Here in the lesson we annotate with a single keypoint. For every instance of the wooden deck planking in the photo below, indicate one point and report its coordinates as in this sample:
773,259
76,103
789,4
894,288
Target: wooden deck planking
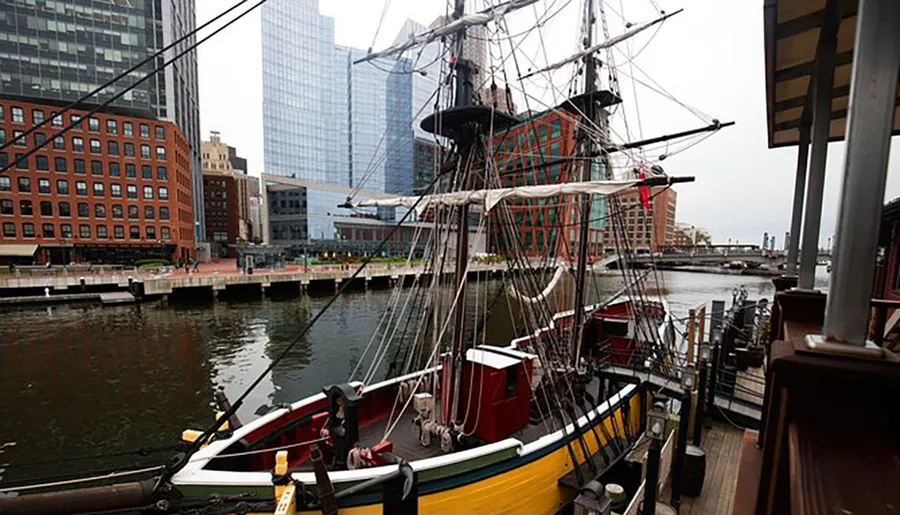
722,444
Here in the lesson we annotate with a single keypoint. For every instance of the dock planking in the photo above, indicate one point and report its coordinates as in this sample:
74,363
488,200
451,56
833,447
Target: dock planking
722,444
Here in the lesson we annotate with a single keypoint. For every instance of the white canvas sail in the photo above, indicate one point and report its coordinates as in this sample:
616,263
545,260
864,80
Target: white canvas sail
489,198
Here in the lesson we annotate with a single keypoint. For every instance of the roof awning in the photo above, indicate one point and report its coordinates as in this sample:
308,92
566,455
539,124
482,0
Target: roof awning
792,32
17,250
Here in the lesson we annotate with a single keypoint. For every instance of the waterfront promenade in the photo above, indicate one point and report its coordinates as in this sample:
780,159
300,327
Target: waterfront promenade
218,277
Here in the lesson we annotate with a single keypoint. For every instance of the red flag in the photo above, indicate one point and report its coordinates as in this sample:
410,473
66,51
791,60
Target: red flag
645,192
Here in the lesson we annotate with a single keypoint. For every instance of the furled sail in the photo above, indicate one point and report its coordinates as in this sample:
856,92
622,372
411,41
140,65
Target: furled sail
489,198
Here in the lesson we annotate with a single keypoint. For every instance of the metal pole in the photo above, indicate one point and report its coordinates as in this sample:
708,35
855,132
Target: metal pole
821,125
797,215
713,377
651,480
701,404
870,119
684,417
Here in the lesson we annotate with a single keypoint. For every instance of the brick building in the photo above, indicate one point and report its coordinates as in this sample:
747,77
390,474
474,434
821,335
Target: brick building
113,190
547,226
226,196
648,230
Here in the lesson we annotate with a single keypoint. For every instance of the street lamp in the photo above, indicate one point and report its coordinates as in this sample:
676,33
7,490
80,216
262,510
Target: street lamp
657,418
689,378
704,353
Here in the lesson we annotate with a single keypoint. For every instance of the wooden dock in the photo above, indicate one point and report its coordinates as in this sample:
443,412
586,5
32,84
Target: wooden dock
722,444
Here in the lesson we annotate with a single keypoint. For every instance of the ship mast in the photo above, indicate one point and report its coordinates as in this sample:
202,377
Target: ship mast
462,98
589,115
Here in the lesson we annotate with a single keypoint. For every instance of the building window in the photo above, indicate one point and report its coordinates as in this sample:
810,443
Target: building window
6,207
115,190
145,151
101,232
62,187
554,129
118,232
111,127
134,232
84,210
46,208
56,120
161,153
127,129
148,192
146,172
3,161
5,184
117,211
28,230
131,191
59,164
80,188
9,230
93,124
164,234
59,143
96,168
21,162
148,213
160,132
78,144
65,231
112,148
132,212
18,115
129,149
114,170
95,146
99,211
163,213
19,139
42,163
37,116
40,139
24,185
84,231
25,207
130,170
79,166
44,186
163,193
151,232
161,173
64,209
2,136
98,189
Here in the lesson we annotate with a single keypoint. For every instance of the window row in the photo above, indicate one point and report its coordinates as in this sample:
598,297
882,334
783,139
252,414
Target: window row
84,231
23,185
61,164
77,145
64,209
56,120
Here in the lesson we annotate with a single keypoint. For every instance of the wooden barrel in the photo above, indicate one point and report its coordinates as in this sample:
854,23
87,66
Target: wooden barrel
694,471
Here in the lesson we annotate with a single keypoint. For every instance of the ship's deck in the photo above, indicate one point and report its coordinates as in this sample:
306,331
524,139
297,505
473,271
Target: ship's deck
722,444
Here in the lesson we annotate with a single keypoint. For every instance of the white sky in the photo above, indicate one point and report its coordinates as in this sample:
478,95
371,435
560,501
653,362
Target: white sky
709,57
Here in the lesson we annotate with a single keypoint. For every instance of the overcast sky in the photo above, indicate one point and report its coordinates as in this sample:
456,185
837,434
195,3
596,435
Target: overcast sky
710,58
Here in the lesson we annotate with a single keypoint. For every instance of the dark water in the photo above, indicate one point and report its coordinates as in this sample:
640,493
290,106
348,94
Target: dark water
84,381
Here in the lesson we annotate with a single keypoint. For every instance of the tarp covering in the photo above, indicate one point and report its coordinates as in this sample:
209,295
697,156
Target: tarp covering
18,250
490,198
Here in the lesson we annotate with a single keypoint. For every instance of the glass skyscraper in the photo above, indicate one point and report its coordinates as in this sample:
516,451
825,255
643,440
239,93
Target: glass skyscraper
58,51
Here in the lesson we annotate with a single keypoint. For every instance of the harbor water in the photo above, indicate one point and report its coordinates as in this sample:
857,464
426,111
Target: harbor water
82,387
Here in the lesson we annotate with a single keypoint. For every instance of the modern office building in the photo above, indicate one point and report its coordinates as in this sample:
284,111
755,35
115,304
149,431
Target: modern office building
226,197
549,226
115,189
648,228
55,52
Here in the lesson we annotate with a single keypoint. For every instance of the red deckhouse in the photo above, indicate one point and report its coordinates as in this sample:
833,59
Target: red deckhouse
113,189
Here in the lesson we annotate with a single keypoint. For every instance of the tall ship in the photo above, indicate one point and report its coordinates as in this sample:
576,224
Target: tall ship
579,412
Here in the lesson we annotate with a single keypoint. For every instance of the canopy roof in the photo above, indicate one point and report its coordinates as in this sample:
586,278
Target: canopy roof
17,250
792,32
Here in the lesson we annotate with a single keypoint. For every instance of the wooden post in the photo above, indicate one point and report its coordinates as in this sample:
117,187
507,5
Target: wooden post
701,338
690,336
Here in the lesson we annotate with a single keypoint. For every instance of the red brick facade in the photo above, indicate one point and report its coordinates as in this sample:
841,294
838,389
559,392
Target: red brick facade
115,189
544,226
